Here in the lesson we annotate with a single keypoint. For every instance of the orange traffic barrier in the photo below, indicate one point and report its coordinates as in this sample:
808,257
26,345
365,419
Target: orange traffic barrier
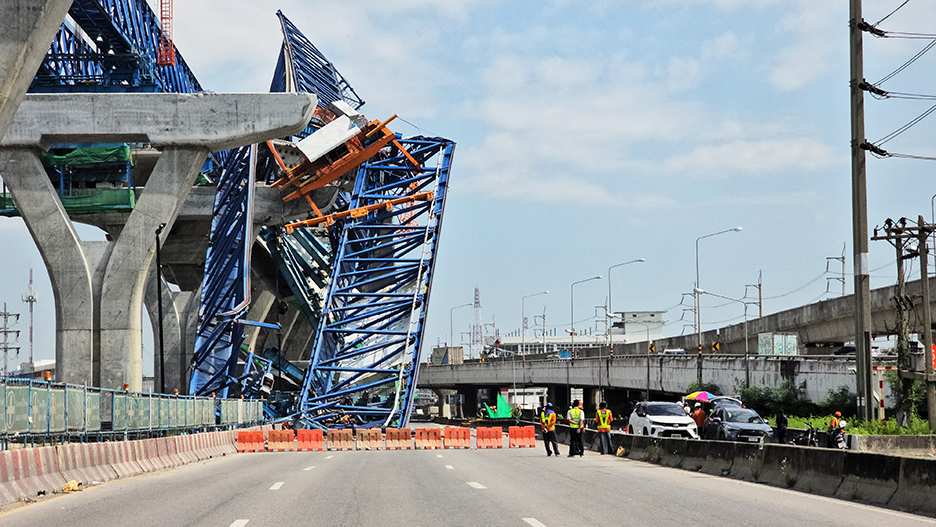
310,440
369,439
429,438
250,441
490,437
522,437
281,440
399,439
340,439
242,439
457,437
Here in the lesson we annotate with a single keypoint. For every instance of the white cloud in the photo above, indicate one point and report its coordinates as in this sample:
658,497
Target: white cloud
809,55
724,46
683,74
754,158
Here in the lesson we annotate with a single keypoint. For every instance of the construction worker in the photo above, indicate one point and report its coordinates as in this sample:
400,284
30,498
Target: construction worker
576,418
548,422
603,419
833,427
699,417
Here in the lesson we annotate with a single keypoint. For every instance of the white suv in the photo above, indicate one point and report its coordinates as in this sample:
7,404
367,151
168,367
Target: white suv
660,419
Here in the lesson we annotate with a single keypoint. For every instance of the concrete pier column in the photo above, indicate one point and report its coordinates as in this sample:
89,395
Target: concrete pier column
180,314
63,252
121,332
26,33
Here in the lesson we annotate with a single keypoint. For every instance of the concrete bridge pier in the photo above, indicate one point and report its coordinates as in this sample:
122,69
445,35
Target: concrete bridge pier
69,261
180,319
99,288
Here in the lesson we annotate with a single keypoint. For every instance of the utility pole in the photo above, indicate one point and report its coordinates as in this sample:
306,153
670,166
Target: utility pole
7,348
923,233
896,233
30,298
860,218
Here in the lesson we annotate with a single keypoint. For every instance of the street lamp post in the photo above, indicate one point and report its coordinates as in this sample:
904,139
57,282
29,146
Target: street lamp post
698,306
159,308
747,372
451,332
610,310
523,320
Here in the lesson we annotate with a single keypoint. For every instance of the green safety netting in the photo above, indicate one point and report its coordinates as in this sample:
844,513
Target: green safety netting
103,200
501,410
88,155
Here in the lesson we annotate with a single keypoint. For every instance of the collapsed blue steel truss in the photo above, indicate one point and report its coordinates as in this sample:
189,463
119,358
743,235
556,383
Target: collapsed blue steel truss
225,293
114,51
378,295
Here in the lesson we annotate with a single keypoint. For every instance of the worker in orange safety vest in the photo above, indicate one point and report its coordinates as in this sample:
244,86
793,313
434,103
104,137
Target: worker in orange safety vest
603,420
548,422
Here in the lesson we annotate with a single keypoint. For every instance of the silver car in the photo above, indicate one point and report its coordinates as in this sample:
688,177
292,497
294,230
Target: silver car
661,419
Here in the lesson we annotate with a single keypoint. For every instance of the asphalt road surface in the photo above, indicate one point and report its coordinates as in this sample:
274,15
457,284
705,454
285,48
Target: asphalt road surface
487,488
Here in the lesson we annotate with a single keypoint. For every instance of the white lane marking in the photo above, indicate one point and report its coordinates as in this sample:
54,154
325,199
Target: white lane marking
329,457
476,485
277,485
239,523
309,468
534,522
450,467
438,455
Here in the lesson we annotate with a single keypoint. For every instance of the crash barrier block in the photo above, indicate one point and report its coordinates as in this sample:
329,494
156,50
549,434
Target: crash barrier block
118,456
369,439
866,477
281,441
185,449
28,472
141,452
399,439
310,440
457,437
719,457
340,439
747,462
428,438
812,470
521,437
916,486
694,454
250,441
490,437
672,451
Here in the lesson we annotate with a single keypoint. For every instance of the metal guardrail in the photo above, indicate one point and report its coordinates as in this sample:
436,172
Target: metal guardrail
46,411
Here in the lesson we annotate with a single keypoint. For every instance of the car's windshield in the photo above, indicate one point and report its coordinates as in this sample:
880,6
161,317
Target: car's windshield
666,409
741,415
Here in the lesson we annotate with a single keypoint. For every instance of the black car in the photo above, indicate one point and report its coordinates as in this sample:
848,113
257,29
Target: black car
731,423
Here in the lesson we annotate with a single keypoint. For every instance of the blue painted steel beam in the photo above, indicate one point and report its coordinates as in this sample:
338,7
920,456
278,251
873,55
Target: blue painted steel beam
375,308
225,294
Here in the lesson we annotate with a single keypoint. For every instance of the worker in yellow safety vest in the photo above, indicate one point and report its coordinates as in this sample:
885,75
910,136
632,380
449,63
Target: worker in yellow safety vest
576,418
603,420
548,422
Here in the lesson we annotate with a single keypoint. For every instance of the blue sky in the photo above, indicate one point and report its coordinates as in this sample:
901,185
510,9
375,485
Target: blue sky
591,134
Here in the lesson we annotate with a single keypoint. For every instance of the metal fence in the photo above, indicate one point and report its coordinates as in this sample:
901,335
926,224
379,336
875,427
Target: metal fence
45,410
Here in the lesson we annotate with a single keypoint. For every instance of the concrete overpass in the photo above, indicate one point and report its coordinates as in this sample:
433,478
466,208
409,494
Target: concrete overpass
666,375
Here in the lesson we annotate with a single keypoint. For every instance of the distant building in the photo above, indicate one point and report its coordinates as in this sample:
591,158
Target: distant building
447,355
628,327
35,370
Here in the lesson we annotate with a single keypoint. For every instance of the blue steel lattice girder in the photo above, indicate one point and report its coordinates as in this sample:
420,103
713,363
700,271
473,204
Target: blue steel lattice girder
225,294
118,54
376,304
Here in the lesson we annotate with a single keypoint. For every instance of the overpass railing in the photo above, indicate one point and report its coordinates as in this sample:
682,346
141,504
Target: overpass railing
40,411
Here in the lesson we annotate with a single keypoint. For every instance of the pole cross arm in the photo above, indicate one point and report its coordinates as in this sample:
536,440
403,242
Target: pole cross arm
216,121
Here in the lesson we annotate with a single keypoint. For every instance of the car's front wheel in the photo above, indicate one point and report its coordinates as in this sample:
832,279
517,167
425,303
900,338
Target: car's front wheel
722,436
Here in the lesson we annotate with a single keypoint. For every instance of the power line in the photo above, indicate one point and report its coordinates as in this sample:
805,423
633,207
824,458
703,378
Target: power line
892,12
908,63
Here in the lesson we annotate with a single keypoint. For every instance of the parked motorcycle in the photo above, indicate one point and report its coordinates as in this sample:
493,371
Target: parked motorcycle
807,439
838,436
